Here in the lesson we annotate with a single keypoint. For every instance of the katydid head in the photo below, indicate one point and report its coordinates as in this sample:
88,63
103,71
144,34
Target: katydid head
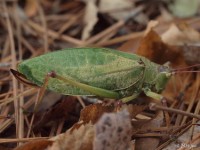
164,73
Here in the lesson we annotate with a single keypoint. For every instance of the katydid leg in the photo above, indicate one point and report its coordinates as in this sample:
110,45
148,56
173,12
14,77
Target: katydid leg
91,89
162,99
127,99
41,92
38,101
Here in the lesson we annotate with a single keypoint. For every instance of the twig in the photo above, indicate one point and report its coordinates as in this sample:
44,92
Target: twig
192,100
197,109
54,34
44,24
14,62
104,33
176,133
6,124
154,106
122,38
81,101
21,140
9,100
69,23
21,99
60,126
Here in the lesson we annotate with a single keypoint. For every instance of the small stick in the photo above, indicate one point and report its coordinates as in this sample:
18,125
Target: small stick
154,106
6,140
6,117
54,34
44,24
14,62
166,114
121,38
105,32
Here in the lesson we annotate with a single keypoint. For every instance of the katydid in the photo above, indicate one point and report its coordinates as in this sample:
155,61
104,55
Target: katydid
97,72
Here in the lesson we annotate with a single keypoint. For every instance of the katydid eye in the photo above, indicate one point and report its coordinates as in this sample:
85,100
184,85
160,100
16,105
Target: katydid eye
163,69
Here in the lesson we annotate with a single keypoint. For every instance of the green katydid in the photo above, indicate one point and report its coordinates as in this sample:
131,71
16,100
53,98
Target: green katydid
97,71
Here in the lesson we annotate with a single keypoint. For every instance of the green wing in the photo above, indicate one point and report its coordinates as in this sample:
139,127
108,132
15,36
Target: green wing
99,67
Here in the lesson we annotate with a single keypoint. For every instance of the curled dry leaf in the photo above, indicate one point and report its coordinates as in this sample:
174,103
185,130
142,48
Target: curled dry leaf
132,44
151,25
180,34
78,139
165,16
113,131
152,47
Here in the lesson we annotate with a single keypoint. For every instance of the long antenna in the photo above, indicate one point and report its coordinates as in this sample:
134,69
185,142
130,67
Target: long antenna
182,68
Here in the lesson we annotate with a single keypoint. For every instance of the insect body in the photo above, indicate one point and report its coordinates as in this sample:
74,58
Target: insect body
96,71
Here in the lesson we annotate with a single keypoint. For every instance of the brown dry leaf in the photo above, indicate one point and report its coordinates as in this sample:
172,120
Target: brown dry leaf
165,16
5,148
153,48
92,113
49,100
181,87
113,131
78,139
59,111
31,8
191,54
132,44
149,143
151,25
133,110
174,85
90,18
35,145
181,34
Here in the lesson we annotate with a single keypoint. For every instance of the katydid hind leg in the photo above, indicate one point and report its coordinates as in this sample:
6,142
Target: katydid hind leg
41,92
38,101
91,89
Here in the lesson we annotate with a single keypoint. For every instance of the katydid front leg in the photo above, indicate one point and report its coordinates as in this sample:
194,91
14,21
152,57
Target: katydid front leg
162,99
127,99
93,90
154,95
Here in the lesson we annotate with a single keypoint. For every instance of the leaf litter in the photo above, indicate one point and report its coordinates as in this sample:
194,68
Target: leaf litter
64,123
